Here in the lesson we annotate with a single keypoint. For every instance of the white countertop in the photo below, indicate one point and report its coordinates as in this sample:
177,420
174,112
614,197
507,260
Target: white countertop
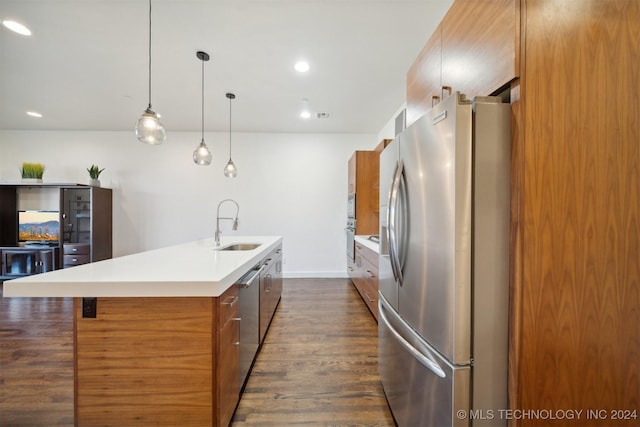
192,269
364,240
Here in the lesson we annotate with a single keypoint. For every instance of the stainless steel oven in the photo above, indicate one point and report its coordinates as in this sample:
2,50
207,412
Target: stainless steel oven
351,234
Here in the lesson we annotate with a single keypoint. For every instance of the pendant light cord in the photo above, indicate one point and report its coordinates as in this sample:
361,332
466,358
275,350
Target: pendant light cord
203,99
229,128
149,54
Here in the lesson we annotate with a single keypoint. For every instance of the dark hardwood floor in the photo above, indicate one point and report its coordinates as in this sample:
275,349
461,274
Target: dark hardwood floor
318,365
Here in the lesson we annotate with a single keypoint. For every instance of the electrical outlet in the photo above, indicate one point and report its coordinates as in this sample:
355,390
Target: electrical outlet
89,308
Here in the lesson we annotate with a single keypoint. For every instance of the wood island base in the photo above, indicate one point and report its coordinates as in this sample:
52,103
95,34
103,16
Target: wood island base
157,361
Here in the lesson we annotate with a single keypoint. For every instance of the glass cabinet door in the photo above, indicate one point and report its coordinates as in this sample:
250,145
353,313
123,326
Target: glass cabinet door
19,263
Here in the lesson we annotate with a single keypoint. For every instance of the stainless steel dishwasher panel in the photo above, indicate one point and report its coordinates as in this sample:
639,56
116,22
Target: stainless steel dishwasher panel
249,296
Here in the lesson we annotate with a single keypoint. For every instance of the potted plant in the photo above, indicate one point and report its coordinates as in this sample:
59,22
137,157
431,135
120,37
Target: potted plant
94,174
32,172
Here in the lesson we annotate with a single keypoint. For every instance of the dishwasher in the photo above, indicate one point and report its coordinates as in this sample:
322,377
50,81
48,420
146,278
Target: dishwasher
249,308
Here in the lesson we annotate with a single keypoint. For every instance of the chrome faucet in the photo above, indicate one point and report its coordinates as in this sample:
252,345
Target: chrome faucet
218,218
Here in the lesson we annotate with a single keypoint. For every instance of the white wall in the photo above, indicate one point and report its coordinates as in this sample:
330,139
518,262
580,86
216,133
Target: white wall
292,185
389,129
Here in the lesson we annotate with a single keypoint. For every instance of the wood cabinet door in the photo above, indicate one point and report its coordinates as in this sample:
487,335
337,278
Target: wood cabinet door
576,300
424,78
480,46
368,195
228,370
145,362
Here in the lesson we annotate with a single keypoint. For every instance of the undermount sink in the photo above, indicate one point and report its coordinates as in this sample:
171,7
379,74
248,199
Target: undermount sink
240,247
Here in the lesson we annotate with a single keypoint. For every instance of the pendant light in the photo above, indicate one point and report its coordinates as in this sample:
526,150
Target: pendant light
202,156
230,170
148,127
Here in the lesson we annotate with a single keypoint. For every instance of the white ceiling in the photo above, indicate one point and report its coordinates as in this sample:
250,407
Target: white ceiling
86,65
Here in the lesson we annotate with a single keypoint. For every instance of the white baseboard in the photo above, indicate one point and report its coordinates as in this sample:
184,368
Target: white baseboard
315,275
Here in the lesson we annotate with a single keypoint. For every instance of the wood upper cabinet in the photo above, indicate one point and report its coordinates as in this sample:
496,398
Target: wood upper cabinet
480,45
364,182
424,79
474,50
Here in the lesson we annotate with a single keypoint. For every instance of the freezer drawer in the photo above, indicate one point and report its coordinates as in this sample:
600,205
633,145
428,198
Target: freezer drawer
422,388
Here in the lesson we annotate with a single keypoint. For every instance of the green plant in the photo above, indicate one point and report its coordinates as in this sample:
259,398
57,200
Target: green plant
32,170
94,171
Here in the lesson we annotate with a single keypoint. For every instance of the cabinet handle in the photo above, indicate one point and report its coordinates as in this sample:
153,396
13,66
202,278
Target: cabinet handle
371,275
446,88
369,297
233,302
433,99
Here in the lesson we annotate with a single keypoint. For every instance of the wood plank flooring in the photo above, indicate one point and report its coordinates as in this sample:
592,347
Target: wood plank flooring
317,367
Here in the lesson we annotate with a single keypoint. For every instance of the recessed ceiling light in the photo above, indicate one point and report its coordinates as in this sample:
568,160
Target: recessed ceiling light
34,114
17,27
301,66
305,114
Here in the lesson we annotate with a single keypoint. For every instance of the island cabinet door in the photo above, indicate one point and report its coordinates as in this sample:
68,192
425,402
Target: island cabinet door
145,362
228,356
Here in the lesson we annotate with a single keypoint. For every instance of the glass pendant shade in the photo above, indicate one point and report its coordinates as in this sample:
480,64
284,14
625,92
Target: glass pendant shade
202,155
149,129
230,170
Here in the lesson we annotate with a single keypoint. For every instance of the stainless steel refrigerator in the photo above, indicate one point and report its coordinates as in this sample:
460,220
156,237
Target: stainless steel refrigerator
444,266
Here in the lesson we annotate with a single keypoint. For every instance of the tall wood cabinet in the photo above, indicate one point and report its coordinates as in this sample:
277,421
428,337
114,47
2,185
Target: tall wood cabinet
575,187
364,184
575,322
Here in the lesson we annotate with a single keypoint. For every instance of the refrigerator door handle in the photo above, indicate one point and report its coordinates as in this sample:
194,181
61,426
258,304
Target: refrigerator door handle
391,221
427,362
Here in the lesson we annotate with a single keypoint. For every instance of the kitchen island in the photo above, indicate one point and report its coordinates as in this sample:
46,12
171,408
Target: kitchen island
156,334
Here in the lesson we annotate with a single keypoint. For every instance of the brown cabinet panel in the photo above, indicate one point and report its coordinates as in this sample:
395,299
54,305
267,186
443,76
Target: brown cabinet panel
228,305
576,208
364,275
365,166
424,78
159,361
228,370
480,45
145,361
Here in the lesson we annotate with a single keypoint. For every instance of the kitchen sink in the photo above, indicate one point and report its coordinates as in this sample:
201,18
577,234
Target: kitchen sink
240,247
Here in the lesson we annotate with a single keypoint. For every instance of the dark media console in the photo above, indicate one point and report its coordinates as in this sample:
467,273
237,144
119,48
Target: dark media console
45,227
27,260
